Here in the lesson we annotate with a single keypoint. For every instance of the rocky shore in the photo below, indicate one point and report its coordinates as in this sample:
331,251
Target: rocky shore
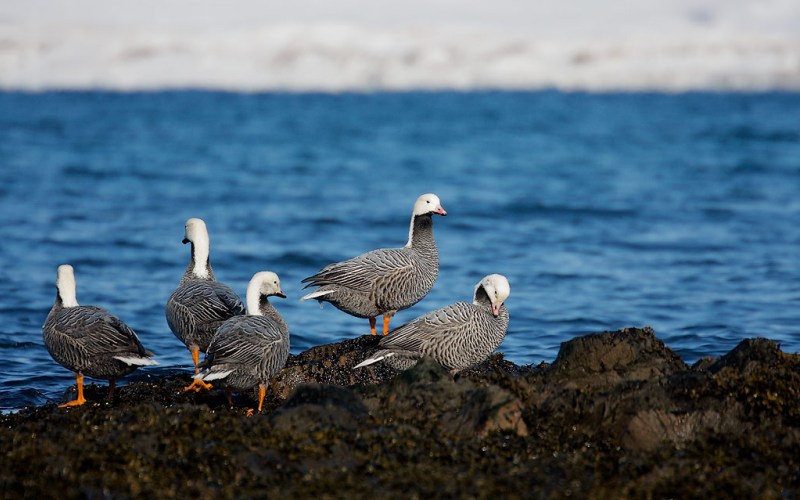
616,414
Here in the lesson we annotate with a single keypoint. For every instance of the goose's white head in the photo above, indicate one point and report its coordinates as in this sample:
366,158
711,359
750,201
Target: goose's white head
65,283
196,231
428,204
497,290
425,205
262,284
197,234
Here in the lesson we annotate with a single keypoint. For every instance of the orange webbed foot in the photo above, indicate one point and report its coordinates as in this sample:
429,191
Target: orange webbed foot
74,402
197,385
80,399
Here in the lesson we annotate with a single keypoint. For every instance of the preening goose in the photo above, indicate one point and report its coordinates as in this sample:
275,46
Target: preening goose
457,336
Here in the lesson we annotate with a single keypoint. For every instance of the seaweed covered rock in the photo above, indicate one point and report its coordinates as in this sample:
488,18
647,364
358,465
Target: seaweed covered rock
313,407
427,395
605,359
628,386
617,414
330,364
761,378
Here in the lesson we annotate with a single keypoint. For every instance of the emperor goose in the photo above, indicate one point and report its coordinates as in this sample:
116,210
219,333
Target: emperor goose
457,336
384,281
89,340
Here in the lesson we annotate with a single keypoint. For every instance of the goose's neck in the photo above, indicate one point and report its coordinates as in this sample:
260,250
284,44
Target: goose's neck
254,299
259,305
265,308
420,233
482,298
200,263
66,297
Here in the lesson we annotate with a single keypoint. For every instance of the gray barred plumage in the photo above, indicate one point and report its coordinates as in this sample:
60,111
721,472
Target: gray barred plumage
200,304
198,307
457,336
247,350
89,340
384,281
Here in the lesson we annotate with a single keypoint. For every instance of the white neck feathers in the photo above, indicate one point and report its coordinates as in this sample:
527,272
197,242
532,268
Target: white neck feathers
254,298
66,286
200,247
410,232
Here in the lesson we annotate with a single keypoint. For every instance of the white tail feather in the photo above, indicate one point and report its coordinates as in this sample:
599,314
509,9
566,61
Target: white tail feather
136,361
374,359
318,293
209,376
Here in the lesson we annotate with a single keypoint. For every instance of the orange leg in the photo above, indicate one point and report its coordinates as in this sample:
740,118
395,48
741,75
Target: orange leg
80,399
112,384
196,359
386,320
262,391
372,325
196,384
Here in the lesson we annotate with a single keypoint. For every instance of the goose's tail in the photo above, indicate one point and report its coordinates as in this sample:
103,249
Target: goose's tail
378,356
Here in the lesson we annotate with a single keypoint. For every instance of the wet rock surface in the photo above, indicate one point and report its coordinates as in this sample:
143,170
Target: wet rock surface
616,414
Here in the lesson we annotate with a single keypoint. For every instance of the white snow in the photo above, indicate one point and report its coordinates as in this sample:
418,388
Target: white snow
366,45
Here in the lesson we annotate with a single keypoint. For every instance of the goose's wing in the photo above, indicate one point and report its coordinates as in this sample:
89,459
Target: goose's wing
228,298
244,340
223,301
450,322
363,272
96,332
205,301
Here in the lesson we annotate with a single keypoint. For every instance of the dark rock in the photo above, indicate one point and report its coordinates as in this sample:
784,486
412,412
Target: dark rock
618,414
749,354
704,364
605,359
331,364
760,377
427,395
313,407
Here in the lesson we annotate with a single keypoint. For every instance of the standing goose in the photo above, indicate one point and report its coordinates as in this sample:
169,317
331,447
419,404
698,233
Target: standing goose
200,304
382,282
89,340
457,336
247,350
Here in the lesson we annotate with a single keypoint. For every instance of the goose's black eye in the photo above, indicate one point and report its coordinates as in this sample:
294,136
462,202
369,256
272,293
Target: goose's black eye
428,202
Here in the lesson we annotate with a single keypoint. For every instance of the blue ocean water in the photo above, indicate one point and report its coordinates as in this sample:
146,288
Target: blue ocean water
604,210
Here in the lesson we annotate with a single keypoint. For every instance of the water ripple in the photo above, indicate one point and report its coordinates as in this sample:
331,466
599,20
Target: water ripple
601,215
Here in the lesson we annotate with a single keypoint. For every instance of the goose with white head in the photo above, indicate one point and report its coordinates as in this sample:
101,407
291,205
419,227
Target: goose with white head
457,336
200,304
384,281
88,340
247,350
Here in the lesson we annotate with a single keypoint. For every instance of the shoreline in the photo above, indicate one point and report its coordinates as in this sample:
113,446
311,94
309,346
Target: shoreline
616,413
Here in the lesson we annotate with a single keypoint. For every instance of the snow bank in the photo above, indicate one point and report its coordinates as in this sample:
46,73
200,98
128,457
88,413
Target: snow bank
700,46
